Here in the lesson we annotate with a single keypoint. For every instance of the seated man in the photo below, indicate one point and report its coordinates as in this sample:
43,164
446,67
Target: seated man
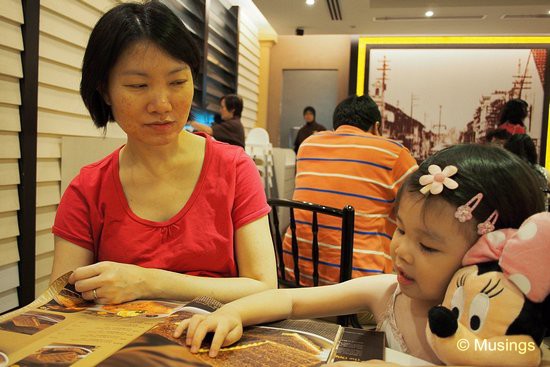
351,165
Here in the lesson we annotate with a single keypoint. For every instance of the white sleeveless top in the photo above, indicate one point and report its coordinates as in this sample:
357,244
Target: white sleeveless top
394,337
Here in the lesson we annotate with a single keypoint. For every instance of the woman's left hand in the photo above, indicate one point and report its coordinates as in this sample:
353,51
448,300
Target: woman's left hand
109,282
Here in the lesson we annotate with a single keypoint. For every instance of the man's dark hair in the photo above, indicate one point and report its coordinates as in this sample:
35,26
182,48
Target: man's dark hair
117,30
500,134
523,146
358,111
233,103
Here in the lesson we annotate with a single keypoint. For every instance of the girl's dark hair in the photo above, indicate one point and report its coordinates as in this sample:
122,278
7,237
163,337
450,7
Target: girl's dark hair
523,146
233,103
117,30
508,184
514,112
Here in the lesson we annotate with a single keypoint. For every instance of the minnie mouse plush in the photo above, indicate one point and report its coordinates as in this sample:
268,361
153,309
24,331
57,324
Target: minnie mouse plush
497,309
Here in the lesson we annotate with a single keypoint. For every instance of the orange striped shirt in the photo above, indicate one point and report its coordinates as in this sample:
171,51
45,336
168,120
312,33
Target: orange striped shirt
337,168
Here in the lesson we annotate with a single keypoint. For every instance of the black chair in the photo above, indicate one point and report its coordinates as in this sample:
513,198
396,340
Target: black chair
346,256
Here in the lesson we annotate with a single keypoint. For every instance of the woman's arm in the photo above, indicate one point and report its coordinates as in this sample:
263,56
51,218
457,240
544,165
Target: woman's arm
67,257
366,293
116,283
201,127
255,261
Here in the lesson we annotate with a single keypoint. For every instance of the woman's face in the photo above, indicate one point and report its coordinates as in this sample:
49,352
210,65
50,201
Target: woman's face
150,94
224,112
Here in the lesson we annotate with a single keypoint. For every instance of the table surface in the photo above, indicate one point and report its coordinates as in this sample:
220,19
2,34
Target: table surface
408,360
404,359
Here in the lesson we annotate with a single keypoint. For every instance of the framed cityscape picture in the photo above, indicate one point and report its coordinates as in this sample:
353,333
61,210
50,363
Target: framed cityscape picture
435,95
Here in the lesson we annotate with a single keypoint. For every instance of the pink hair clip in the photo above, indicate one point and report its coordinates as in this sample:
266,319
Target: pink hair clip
464,212
437,178
488,225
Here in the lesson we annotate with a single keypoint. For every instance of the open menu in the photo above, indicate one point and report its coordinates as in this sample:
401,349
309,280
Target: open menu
61,329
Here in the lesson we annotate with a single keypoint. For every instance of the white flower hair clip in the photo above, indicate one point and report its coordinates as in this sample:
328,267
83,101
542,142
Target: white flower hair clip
437,178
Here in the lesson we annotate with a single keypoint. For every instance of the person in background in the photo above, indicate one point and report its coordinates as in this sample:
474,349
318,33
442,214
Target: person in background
512,116
171,214
437,224
497,137
310,127
230,130
354,166
524,147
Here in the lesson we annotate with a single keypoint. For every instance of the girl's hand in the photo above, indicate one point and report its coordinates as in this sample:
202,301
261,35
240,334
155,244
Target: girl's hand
226,325
112,282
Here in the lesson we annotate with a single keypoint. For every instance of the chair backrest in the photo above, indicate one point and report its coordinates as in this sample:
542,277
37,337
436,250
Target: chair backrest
257,136
346,253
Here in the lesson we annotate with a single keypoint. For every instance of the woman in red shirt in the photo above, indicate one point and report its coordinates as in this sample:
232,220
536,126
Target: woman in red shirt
512,116
170,214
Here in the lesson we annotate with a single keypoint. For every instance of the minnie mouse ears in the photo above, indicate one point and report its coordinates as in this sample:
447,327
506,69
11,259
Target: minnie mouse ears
523,255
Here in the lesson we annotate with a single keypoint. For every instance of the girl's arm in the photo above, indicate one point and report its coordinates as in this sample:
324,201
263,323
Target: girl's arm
117,283
350,297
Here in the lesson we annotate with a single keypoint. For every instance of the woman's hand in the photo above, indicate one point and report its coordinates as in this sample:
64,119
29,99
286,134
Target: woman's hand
110,282
226,325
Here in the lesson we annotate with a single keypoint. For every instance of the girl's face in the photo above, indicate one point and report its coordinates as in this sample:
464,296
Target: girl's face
428,246
150,94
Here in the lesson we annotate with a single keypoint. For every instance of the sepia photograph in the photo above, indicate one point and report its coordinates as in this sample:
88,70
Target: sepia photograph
434,98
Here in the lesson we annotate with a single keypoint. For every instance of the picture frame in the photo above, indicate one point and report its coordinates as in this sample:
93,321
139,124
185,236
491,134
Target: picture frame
438,91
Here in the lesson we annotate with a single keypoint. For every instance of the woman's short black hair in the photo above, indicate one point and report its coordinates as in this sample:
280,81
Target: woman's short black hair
358,111
233,103
120,28
508,184
523,146
514,112
309,109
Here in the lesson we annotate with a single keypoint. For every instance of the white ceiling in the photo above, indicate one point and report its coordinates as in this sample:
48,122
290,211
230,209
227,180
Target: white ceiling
358,17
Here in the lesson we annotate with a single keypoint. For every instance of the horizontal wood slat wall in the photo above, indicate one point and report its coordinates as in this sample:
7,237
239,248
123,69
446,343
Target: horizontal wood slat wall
248,70
65,27
11,71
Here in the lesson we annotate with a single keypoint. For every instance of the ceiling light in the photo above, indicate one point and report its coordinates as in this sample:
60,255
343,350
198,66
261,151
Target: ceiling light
429,13
310,2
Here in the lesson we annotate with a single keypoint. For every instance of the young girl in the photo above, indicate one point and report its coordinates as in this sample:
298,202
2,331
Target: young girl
426,249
